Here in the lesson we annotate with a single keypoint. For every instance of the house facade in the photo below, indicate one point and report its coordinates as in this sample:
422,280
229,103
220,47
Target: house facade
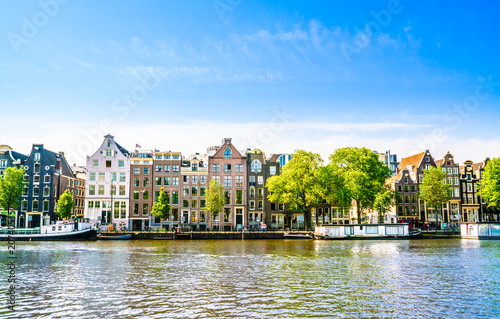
141,189
80,185
47,175
194,185
257,175
451,211
229,167
108,173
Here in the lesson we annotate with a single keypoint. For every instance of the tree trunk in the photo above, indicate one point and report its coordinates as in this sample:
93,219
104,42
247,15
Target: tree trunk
358,212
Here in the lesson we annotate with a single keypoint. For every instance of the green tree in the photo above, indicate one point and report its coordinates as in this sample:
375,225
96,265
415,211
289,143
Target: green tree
161,208
215,199
490,184
434,190
384,201
334,189
300,184
361,174
11,188
65,205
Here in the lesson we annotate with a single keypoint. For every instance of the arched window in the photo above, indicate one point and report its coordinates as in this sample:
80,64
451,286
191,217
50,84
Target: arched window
227,153
256,166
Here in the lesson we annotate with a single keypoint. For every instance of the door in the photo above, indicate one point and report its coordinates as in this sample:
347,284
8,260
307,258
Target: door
239,220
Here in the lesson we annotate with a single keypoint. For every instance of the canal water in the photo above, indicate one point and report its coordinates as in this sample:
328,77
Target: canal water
255,279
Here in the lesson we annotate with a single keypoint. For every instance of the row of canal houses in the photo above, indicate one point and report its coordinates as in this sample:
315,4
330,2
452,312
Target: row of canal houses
118,187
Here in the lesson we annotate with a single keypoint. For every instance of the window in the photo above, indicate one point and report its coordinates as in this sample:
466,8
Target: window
146,170
3,163
157,156
37,168
239,197
194,166
259,206
413,188
450,180
456,192
158,168
260,192
122,190
427,166
272,170
95,163
455,180
25,191
136,182
455,170
36,179
123,177
252,192
217,178
194,203
146,182
46,179
113,176
158,181
406,188
24,205
227,181
167,168
175,157
273,207
449,170
371,229
108,163
203,203
166,157
185,179
203,191
227,215
175,168
121,163
91,189
145,195
46,191
194,179
216,168
260,180
185,191
166,181
136,209
203,179
175,181
185,203
227,168
26,178
252,181
227,152
100,191
256,166
36,191
113,190
175,197
145,209
227,197
137,170
102,176
427,159
239,181
136,195
252,205
194,191
34,206
238,168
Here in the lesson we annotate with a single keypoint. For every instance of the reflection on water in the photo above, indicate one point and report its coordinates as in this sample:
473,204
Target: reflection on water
256,279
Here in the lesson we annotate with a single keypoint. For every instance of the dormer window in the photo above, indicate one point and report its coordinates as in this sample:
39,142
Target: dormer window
108,144
37,156
427,159
227,153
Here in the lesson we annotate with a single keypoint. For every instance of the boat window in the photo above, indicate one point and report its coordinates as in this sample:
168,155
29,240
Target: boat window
349,230
59,228
53,228
372,229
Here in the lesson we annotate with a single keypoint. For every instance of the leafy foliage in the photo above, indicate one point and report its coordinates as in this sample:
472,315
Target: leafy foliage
490,184
11,188
215,198
434,190
384,201
161,208
360,175
300,184
65,205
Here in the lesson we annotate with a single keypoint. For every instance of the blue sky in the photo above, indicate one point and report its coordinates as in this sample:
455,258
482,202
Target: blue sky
316,75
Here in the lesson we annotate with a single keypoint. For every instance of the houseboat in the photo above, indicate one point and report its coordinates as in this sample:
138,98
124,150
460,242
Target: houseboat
58,231
365,231
484,230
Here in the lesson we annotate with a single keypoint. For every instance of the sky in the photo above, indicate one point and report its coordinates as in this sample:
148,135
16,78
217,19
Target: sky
403,76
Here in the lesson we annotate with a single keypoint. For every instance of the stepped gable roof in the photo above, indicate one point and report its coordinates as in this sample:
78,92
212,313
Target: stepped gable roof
413,161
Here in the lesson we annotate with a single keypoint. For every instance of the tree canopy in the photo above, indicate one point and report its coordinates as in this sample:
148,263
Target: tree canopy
300,183
215,198
384,201
65,205
434,190
490,184
360,174
11,188
161,208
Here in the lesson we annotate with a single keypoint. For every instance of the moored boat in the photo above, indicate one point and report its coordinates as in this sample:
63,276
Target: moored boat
114,237
366,231
481,230
59,231
296,236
